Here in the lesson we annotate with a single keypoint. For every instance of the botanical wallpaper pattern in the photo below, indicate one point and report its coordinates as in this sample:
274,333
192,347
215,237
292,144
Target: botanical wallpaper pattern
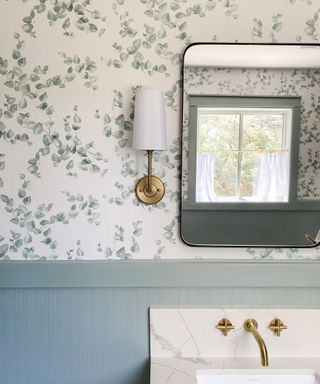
69,71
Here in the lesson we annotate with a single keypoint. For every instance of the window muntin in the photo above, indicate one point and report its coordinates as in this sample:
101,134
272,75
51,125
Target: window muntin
246,144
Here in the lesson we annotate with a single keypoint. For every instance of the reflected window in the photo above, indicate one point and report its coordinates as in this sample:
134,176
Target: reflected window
243,153
249,151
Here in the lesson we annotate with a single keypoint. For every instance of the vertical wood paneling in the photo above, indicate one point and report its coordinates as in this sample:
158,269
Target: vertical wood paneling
100,335
248,297
315,297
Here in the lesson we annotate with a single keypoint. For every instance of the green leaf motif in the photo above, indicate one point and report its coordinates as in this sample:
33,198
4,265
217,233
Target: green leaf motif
4,198
78,11
4,248
27,239
16,54
22,62
277,27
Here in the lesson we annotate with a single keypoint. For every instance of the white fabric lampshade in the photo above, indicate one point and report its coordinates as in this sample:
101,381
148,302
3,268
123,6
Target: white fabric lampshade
149,127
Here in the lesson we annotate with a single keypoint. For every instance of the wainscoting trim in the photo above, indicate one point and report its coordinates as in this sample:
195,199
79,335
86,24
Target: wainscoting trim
166,274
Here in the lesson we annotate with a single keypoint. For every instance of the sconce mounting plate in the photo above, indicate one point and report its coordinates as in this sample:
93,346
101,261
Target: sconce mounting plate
150,195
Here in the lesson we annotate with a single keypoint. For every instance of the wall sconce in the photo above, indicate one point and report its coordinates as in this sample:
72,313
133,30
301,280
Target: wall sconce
149,134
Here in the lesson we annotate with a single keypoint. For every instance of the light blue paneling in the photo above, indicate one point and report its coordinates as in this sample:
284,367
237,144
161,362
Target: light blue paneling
88,322
76,335
100,335
257,297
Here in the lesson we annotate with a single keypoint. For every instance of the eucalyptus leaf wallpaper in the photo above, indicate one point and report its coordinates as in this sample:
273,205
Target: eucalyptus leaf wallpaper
69,71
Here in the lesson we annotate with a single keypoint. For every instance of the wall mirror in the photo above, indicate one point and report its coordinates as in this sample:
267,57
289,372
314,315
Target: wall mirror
251,145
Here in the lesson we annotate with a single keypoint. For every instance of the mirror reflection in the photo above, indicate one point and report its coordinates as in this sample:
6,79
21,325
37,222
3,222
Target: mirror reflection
243,154
250,137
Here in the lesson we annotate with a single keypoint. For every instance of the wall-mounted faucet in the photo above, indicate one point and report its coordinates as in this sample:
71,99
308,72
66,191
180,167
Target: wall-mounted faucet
251,325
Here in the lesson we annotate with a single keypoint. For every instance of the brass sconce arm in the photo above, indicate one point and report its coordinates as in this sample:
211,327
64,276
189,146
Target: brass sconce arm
149,152
150,189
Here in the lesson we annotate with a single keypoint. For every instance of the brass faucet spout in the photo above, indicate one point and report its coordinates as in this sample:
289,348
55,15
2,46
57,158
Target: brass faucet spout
251,325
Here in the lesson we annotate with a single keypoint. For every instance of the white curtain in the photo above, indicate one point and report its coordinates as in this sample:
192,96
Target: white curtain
205,178
272,183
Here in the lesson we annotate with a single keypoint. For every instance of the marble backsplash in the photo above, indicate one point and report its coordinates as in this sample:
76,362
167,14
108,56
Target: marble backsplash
191,333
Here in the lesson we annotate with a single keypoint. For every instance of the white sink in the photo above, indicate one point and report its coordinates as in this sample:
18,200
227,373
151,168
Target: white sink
257,376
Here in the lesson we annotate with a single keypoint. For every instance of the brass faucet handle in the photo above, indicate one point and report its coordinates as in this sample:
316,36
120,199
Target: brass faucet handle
225,326
277,326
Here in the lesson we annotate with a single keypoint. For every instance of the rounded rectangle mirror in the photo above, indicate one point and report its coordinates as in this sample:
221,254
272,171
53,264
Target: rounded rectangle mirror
251,152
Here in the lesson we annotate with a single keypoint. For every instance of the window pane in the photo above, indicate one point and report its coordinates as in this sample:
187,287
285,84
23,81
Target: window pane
264,173
225,179
219,135
262,131
250,172
218,132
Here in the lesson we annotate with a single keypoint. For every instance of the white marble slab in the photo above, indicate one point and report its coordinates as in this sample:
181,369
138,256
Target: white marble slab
184,340
191,332
184,371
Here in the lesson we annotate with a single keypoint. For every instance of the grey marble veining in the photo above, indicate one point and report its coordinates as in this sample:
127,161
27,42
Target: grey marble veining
185,340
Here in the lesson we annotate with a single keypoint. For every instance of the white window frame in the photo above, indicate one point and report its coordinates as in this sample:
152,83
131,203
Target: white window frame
244,111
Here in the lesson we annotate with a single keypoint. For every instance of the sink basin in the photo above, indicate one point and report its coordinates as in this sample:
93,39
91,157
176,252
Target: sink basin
258,376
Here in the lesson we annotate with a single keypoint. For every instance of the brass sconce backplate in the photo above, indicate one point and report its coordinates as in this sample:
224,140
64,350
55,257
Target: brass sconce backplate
225,326
152,194
277,326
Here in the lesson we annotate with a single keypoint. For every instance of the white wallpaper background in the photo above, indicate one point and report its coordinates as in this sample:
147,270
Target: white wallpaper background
68,73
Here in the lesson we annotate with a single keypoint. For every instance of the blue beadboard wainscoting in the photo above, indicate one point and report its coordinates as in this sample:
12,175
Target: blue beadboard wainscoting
87,322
